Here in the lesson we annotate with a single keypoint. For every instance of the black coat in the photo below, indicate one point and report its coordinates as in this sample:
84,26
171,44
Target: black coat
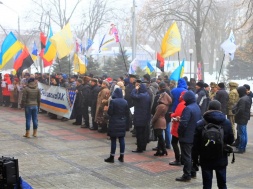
128,97
87,95
94,96
218,118
118,112
79,100
142,103
242,108
222,97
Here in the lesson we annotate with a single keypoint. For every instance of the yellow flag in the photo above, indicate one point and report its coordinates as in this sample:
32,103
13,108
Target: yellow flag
63,41
171,42
79,66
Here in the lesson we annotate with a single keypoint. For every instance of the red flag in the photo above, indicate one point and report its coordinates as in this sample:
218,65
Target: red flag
43,40
160,62
19,61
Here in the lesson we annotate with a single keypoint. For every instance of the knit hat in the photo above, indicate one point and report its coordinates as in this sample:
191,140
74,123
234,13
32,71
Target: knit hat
162,85
200,84
214,105
221,85
30,80
106,83
206,85
94,80
79,80
86,79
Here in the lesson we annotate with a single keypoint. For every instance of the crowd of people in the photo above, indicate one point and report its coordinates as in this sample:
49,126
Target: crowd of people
176,112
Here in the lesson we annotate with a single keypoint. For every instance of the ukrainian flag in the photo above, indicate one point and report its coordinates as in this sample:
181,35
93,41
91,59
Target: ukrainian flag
50,50
34,54
149,68
178,73
10,47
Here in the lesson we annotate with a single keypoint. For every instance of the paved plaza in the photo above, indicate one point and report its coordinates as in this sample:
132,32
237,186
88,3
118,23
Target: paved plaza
67,156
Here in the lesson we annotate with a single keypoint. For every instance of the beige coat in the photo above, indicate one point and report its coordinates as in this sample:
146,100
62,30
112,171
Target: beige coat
102,101
158,120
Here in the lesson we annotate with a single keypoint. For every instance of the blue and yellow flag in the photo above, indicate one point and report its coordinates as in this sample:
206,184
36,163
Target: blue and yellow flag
149,68
50,50
171,42
178,72
10,47
63,41
34,54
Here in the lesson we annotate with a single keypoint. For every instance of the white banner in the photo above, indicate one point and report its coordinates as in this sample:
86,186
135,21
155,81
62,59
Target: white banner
57,100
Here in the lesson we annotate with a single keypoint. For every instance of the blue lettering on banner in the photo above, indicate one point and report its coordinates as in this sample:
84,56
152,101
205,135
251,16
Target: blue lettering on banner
57,96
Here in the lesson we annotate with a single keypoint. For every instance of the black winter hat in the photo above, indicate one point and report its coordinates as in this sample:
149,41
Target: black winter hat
147,77
206,85
162,85
200,84
221,85
30,80
247,86
214,105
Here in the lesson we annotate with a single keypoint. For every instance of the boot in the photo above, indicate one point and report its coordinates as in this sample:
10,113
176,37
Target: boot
27,134
35,132
110,159
121,158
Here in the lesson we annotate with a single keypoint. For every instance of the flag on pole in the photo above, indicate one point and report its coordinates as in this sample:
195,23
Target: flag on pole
9,49
34,52
106,40
63,41
149,68
228,47
89,44
22,61
50,50
232,39
160,62
43,40
171,42
114,31
199,72
178,72
79,65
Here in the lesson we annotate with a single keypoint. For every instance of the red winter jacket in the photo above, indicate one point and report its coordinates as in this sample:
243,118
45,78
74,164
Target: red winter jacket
7,80
178,112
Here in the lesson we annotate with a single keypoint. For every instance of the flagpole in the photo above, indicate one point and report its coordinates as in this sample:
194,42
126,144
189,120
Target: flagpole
69,64
178,58
156,66
221,68
123,55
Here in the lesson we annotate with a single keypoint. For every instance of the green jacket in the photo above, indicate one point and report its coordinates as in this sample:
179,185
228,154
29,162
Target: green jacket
233,97
31,95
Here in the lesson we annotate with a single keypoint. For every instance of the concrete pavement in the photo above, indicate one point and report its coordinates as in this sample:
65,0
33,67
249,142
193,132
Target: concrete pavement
67,156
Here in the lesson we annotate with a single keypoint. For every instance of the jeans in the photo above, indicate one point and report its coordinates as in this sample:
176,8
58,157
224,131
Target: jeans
207,176
114,144
243,138
31,112
186,153
167,135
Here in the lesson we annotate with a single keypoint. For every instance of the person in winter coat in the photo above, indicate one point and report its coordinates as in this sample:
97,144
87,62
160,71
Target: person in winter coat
86,101
118,112
218,164
159,122
94,96
142,115
233,99
31,102
5,91
174,130
242,116
176,92
14,94
191,114
222,97
201,96
78,106
102,106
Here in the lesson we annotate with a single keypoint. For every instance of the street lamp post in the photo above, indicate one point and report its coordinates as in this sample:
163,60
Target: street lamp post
217,60
1,3
190,52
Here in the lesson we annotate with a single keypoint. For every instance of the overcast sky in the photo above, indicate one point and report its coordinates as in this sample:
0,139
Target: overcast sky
9,13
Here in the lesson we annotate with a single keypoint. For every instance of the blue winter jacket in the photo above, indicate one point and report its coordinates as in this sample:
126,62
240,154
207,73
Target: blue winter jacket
176,92
142,103
118,112
188,121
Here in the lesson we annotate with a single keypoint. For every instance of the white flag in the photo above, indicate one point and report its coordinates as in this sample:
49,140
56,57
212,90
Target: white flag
228,47
232,39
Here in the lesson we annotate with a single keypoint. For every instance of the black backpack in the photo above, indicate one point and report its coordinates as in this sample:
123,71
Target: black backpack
212,142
